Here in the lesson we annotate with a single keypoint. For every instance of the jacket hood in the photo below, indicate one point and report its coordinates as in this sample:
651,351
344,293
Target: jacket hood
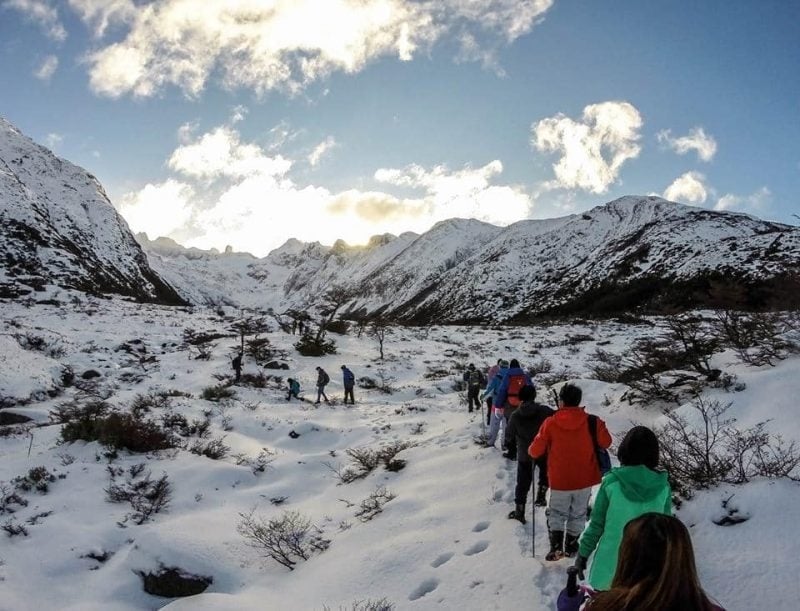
639,483
571,418
528,409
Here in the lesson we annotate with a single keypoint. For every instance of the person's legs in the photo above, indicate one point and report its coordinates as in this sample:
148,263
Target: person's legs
576,521
488,411
524,478
324,396
541,489
494,427
472,397
557,515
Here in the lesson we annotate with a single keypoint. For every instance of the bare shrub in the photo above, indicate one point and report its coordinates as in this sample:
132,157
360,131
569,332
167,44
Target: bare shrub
606,366
716,451
143,403
145,495
364,461
758,338
38,478
10,501
366,605
288,539
217,393
373,504
214,449
541,366
13,529
179,424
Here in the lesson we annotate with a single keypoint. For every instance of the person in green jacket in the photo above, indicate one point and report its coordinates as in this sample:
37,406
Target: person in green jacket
633,489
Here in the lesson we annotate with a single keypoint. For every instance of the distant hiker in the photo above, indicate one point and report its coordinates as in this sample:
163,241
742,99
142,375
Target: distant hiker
474,379
626,492
349,381
507,397
294,327
236,363
523,426
489,377
497,409
656,570
572,468
322,379
294,389
300,327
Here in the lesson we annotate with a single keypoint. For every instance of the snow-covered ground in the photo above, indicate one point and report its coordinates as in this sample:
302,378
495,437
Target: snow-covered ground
443,541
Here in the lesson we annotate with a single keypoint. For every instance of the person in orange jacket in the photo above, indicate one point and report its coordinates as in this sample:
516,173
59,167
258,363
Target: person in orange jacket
572,469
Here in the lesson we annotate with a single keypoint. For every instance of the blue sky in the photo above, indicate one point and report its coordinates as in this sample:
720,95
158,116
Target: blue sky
247,122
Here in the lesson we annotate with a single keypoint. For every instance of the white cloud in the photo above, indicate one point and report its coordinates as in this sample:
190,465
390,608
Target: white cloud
101,14
235,192
158,209
697,140
592,150
464,193
221,153
689,188
283,45
321,150
53,141
756,202
41,12
47,68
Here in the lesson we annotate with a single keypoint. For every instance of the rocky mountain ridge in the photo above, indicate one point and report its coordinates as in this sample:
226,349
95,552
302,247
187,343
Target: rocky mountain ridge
58,227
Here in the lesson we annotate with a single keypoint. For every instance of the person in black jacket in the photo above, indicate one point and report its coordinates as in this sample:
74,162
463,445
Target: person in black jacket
523,426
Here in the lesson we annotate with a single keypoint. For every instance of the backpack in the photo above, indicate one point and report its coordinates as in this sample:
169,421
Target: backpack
515,383
475,378
325,377
603,458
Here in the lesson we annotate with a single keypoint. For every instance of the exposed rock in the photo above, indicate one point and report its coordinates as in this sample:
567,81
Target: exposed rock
173,582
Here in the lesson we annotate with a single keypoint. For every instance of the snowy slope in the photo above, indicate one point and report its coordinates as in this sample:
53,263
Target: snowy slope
57,227
443,541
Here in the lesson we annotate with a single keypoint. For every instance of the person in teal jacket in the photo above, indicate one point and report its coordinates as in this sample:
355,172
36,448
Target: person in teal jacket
633,489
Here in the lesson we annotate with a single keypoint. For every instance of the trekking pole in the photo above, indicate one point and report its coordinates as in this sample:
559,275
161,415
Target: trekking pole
483,422
533,510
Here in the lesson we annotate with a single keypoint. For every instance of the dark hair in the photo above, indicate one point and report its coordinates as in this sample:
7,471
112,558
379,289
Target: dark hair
527,393
570,395
514,363
655,569
640,447
471,366
344,366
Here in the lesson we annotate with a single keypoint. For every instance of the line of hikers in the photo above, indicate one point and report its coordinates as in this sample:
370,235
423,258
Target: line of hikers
642,558
293,386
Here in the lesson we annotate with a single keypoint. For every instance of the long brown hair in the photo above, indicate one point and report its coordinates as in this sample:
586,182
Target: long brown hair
655,569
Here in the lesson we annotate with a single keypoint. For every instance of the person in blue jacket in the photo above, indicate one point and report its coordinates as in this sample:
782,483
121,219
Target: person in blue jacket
349,381
507,398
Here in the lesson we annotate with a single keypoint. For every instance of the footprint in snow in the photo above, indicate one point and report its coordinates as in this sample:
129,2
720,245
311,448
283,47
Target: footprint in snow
441,559
480,527
426,587
477,548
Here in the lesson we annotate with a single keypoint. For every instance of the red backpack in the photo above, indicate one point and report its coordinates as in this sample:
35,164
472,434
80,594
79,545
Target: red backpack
515,383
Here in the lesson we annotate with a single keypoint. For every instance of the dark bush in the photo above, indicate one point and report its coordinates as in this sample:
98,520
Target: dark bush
309,345
173,582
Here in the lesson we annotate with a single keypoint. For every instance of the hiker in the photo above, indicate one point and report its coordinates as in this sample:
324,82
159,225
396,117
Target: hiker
236,363
300,327
497,410
294,327
523,425
656,570
572,469
507,397
489,377
349,381
474,379
294,389
322,379
626,492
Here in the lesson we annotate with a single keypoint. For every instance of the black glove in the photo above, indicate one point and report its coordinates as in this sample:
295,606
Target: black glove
580,564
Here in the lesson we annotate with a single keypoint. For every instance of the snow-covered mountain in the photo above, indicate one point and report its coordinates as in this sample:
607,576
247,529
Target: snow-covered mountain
634,252
57,227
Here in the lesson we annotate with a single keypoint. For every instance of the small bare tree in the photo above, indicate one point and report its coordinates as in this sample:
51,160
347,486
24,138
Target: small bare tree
379,328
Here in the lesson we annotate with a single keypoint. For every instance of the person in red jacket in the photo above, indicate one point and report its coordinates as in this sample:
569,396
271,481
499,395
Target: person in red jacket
572,469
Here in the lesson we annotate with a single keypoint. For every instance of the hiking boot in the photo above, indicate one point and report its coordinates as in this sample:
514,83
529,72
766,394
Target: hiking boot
518,513
507,454
571,545
556,545
541,496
